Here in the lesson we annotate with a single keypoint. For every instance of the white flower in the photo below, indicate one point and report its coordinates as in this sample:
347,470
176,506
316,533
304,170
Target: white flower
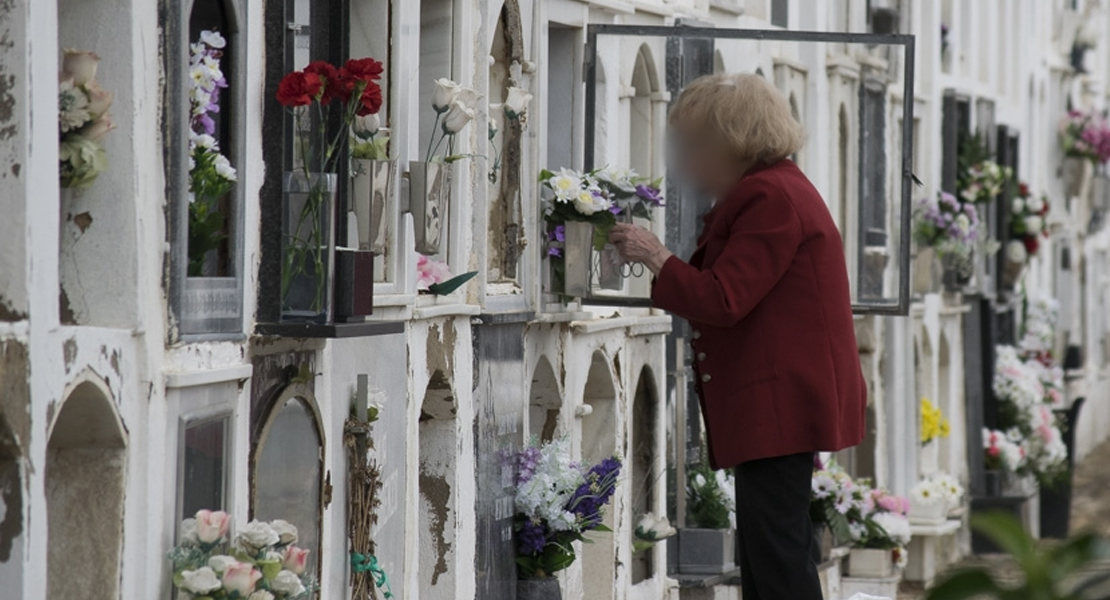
654,528
620,179
73,106
1034,224
1035,204
201,581
81,65
823,485
902,558
1018,206
258,535
288,583
926,493
699,480
964,223
457,117
444,94
367,126
286,531
1016,252
469,97
896,526
204,141
188,531
516,102
221,562
566,185
213,39
588,203
223,168
261,595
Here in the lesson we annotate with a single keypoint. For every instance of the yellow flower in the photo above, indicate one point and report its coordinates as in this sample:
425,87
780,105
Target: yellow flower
933,423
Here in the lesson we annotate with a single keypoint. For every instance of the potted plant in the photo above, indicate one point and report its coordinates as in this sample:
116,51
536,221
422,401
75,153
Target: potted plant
934,425
708,547
580,209
948,228
261,560
1028,224
1084,138
430,180
308,243
558,502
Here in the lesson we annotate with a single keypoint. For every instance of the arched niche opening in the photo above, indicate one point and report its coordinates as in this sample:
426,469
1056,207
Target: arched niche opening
287,466
86,472
438,474
599,440
11,510
642,121
505,148
642,465
544,402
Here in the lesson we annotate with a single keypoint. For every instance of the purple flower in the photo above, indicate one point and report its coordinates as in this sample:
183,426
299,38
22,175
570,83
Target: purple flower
558,234
554,251
595,492
616,210
650,194
531,539
527,461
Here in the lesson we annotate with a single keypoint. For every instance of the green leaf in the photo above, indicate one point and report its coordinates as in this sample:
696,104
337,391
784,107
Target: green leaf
1006,531
966,584
602,527
446,287
641,545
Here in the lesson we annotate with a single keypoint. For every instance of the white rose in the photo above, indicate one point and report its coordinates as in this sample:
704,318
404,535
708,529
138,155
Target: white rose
516,102
258,535
367,125
261,595
587,203
469,97
287,532
201,581
81,64
221,562
1035,204
1015,252
444,94
188,531
288,583
1033,224
457,117
1018,206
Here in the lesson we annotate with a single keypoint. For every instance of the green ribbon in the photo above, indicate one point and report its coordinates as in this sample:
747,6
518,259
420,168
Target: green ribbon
363,564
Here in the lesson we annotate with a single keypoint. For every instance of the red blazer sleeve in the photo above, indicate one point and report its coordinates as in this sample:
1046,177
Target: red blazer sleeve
763,239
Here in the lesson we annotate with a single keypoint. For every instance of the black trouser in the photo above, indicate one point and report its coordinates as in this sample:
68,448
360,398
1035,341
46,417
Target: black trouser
773,528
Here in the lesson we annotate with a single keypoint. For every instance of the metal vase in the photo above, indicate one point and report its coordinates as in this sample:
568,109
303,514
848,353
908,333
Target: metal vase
371,197
1072,172
578,258
538,588
429,201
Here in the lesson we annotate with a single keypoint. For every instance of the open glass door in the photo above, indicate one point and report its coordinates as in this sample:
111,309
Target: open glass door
847,89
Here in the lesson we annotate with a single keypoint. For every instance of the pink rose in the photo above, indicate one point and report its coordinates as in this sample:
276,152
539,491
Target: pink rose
241,578
212,525
296,560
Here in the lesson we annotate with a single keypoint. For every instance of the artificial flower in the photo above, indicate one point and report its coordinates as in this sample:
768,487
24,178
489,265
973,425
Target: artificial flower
366,126
257,535
295,559
299,89
201,581
588,202
444,94
240,578
221,562
458,116
81,65
287,533
329,75
187,532
287,583
516,102
212,525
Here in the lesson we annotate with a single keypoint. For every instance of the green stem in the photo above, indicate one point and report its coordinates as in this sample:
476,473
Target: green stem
431,139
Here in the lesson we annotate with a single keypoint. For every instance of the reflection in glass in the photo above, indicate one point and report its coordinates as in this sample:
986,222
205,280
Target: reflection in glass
204,467
288,472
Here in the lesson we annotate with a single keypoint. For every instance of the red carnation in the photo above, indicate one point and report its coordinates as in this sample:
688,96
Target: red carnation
1023,190
1031,244
299,89
362,69
325,71
371,100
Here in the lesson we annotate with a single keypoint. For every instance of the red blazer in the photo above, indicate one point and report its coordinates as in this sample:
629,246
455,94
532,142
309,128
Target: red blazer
767,295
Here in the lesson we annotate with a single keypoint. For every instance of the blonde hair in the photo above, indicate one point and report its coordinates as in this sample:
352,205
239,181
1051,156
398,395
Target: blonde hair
744,111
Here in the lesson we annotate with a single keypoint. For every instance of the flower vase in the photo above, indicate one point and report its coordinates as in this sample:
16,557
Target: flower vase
308,246
870,562
924,271
929,457
577,258
371,198
429,201
954,278
538,588
706,551
992,482
1072,172
609,269
1100,191
1011,273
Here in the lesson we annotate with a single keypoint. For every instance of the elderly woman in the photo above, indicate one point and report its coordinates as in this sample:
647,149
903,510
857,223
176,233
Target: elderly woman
766,294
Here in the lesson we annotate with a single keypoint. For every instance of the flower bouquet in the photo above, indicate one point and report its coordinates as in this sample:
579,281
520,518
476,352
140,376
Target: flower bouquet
933,497
83,120
980,178
211,176
262,563
581,209
1028,224
307,242
951,228
1085,135
558,501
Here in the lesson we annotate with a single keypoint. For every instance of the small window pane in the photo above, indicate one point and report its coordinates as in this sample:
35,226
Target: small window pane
204,467
288,472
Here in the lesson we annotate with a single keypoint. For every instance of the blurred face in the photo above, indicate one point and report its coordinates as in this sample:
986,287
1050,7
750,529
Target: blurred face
704,163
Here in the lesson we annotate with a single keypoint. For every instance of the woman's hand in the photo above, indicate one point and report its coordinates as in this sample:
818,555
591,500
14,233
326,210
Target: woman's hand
637,244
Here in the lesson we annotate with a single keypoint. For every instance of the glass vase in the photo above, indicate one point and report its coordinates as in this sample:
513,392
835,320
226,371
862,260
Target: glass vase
308,247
